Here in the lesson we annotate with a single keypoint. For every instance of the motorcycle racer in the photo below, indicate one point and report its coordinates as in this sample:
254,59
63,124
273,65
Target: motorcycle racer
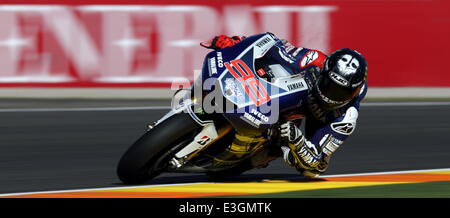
337,84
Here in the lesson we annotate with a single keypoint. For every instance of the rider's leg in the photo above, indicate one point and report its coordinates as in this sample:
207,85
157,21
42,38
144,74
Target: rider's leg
242,146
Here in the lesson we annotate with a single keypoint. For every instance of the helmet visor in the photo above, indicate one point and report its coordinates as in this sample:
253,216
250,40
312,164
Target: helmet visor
333,94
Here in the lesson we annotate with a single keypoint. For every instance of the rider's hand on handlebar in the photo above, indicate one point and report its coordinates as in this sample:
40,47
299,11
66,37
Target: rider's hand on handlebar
304,154
290,132
222,41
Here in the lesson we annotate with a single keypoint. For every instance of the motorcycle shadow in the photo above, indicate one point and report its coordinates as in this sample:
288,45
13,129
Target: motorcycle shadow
201,178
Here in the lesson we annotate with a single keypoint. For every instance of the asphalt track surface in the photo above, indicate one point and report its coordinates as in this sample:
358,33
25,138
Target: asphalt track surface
63,147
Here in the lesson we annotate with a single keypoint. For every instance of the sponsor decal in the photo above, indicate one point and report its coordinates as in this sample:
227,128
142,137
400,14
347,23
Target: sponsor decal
203,140
330,148
330,144
264,41
343,128
219,59
127,45
338,79
251,120
337,141
294,86
212,66
348,123
309,58
255,118
259,115
328,100
265,44
261,72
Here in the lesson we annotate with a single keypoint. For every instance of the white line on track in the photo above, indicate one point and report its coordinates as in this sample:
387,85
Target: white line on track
83,109
386,173
200,183
381,104
366,104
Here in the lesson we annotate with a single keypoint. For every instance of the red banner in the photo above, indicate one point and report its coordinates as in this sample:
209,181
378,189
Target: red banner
139,44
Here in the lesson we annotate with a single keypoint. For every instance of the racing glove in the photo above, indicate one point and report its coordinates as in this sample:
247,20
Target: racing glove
222,41
301,153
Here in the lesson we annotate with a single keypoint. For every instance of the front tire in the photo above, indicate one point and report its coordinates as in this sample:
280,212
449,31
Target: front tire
149,155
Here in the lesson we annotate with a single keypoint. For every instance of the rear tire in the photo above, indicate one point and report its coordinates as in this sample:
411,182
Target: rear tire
149,155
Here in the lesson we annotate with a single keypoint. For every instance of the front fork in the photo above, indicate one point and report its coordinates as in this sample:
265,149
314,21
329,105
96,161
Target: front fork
182,102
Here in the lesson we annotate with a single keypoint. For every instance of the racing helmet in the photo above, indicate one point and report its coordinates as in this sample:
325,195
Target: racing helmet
341,79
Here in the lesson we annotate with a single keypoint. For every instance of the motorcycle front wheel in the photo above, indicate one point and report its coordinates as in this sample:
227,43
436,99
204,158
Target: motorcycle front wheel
151,153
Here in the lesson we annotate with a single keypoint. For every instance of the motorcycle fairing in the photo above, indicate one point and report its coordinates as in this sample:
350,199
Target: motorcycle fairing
258,102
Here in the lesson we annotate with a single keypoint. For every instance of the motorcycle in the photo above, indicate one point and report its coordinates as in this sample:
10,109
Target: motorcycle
231,95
